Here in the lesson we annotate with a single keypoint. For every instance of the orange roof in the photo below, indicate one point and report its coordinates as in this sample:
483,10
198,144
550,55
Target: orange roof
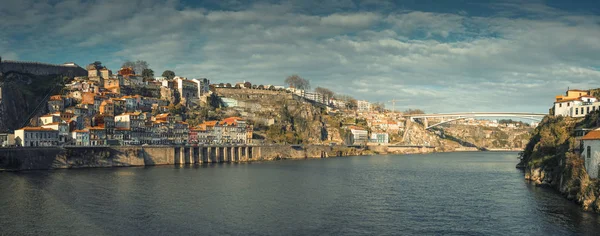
567,100
592,135
210,123
81,131
97,128
122,129
356,128
36,129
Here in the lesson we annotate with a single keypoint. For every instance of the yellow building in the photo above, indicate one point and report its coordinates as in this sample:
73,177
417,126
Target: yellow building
572,94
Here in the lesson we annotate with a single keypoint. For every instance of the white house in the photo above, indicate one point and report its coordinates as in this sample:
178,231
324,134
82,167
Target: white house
591,152
363,106
382,138
36,137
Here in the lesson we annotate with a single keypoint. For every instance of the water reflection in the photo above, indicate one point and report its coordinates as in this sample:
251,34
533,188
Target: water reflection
451,193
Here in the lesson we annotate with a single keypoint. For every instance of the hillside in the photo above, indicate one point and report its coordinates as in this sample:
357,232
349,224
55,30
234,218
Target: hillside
551,158
21,93
280,117
488,138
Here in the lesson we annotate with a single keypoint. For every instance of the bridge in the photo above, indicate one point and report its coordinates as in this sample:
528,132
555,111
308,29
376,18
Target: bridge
449,117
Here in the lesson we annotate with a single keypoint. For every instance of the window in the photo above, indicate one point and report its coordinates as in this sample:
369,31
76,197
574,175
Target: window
560,105
568,104
576,111
589,152
588,110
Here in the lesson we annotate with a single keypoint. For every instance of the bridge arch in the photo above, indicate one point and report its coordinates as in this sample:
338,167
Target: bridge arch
464,115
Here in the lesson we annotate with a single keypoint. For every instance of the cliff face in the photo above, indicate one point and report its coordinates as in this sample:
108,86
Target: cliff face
551,159
21,94
293,120
489,137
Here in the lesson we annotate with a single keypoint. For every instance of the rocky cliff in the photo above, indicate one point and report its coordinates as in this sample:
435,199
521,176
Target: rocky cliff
488,138
23,95
551,158
281,117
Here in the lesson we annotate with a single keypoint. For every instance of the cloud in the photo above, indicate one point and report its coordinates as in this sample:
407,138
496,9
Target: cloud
439,62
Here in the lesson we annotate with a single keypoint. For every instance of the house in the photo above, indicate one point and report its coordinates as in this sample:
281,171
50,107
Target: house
49,118
7,140
575,103
188,90
36,137
97,136
363,106
56,103
381,138
591,152
107,107
81,137
63,130
357,136
203,85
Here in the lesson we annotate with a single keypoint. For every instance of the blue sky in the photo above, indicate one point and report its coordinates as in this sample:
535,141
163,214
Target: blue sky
440,56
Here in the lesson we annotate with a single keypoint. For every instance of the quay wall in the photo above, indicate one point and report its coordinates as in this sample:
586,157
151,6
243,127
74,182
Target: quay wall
46,158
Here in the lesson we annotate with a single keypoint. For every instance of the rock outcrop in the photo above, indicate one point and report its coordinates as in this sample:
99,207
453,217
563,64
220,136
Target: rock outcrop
552,159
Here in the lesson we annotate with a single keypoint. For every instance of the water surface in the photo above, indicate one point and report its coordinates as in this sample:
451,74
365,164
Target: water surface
478,193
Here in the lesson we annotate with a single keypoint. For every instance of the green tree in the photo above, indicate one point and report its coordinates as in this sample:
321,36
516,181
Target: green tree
148,73
168,74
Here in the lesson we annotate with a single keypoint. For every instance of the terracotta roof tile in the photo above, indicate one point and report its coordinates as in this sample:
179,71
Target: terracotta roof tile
592,135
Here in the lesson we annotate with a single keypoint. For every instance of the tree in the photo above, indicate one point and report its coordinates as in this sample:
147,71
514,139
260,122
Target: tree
168,74
148,73
324,91
128,64
295,81
247,85
378,106
261,87
98,64
413,112
138,66
228,85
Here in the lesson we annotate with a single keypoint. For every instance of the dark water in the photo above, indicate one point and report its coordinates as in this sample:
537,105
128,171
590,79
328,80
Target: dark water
451,193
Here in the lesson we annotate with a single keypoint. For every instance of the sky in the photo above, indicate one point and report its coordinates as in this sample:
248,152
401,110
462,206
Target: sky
438,56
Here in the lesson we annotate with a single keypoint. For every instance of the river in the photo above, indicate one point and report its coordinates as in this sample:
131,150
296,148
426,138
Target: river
471,193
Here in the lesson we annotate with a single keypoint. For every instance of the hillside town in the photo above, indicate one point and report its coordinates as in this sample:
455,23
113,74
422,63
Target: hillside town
134,107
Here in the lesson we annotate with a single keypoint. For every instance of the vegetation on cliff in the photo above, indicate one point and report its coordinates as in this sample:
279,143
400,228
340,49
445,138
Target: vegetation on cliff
552,158
24,94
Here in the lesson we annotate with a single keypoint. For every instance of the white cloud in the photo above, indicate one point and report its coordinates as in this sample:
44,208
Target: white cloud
439,62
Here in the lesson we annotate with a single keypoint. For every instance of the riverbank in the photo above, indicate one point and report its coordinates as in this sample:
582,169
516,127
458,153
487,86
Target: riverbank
19,159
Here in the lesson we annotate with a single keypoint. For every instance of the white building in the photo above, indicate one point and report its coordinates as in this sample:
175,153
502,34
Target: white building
36,137
591,152
363,106
49,119
203,85
188,90
382,138
358,136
